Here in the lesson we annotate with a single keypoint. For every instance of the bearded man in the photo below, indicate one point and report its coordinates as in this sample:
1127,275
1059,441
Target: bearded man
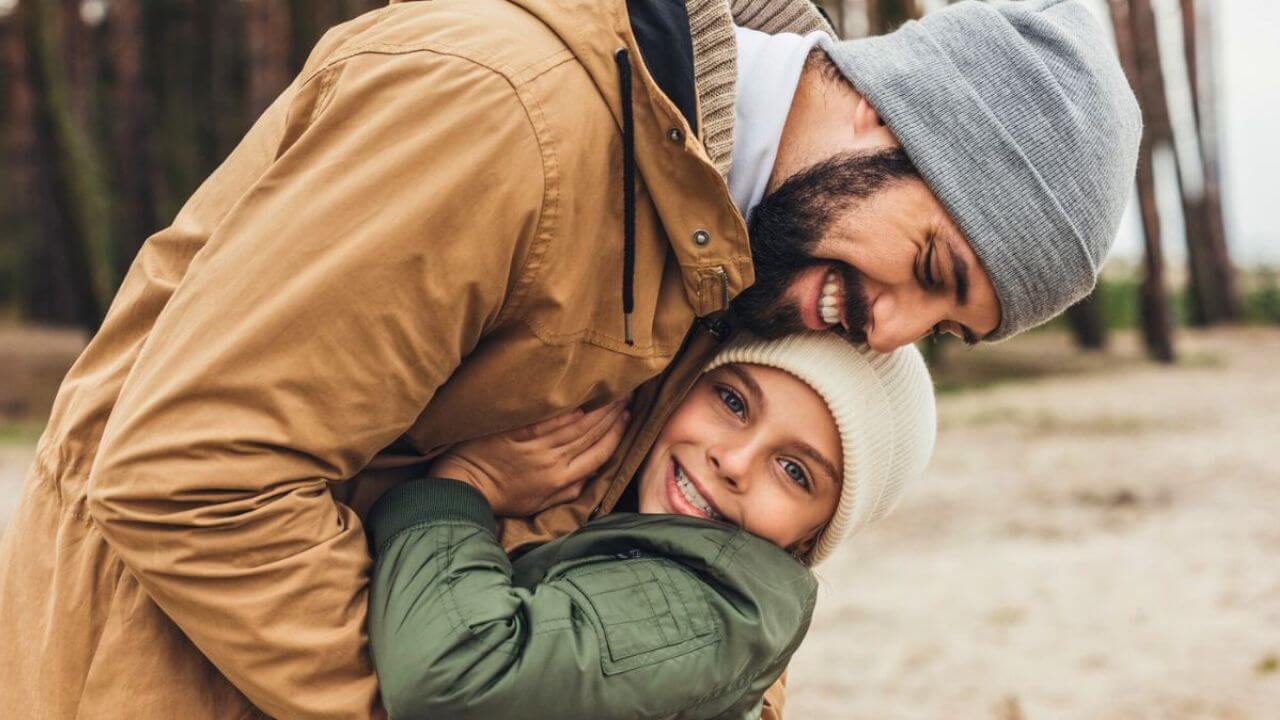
465,216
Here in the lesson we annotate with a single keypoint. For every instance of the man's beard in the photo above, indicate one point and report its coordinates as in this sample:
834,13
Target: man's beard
786,226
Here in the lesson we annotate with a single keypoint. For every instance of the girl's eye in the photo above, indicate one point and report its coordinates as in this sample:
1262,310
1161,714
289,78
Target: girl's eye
795,471
733,401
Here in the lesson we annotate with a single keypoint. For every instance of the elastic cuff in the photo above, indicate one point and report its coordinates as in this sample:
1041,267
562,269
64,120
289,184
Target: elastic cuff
414,502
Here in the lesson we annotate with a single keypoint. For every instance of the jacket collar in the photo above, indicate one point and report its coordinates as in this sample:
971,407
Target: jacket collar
684,178
716,56
769,68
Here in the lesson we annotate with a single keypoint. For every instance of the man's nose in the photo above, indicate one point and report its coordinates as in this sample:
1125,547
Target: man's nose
888,340
905,318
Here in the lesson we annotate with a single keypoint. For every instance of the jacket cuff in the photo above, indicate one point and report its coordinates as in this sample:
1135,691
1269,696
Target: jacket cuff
415,502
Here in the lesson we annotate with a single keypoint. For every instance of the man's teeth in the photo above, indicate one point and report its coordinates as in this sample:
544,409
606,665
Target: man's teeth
691,494
829,303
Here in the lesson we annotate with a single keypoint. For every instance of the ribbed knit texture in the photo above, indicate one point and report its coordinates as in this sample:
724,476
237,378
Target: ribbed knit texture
1021,121
414,502
715,66
883,407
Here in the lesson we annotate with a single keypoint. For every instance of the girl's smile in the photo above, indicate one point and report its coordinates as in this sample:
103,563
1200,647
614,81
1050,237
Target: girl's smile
751,446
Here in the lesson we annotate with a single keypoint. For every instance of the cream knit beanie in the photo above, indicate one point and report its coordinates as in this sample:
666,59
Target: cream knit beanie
883,407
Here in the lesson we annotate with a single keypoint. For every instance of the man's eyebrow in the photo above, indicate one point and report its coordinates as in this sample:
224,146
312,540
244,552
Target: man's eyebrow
959,270
753,388
818,458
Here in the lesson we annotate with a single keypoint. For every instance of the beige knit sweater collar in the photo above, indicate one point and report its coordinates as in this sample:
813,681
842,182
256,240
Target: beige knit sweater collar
715,57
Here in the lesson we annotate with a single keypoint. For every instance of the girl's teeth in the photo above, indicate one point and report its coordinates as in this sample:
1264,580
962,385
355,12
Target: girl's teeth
692,495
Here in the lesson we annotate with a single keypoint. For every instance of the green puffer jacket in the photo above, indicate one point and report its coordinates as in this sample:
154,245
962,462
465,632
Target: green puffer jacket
632,616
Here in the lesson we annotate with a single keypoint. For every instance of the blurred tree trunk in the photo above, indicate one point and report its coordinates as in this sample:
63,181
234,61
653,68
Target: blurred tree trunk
1225,304
130,120
833,11
33,276
267,33
182,80
1207,302
886,15
81,54
352,8
855,17
309,20
219,79
1204,297
1086,321
79,187
1156,322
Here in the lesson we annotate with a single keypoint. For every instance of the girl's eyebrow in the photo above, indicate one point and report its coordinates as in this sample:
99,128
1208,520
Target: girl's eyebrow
799,447
818,459
753,388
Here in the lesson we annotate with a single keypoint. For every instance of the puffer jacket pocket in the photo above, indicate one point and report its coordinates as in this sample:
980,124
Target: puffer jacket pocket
646,611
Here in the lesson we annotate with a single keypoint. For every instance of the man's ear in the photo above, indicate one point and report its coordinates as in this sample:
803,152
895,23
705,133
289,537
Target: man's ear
865,118
870,130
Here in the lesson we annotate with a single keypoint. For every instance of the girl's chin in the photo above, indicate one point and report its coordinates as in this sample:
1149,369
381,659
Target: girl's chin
649,494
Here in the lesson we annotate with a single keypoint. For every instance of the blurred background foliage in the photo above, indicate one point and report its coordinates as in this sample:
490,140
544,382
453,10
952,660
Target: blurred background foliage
114,110
1096,538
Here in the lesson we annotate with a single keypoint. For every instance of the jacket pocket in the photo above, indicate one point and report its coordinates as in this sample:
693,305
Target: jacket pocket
646,610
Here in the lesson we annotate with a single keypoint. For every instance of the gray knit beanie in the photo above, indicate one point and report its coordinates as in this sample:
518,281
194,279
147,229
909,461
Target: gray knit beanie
1020,120
883,407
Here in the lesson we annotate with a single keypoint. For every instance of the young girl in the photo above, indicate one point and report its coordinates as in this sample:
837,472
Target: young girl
689,607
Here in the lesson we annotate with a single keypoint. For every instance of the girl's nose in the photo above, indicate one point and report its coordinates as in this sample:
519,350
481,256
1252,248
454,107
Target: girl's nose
731,462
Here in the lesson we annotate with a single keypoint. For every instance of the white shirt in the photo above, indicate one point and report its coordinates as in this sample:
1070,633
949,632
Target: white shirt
769,69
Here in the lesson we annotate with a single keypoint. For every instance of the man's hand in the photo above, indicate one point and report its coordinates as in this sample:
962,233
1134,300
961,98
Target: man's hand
523,471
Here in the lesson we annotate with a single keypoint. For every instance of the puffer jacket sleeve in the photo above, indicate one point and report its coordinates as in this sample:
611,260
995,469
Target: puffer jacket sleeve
371,255
453,638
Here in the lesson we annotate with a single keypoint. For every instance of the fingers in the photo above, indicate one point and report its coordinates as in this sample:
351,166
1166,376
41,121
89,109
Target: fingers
590,435
550,425
589,460
572,432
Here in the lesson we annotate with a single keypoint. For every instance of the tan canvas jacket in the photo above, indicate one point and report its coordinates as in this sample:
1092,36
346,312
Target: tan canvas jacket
420,241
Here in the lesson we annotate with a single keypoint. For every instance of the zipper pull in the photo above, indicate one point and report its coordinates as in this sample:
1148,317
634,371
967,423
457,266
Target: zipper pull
718,327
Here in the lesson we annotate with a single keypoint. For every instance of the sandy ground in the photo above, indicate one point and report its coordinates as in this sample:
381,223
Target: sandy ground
1098,544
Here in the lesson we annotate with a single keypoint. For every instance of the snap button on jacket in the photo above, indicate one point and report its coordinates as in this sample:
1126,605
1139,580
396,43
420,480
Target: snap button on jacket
419,242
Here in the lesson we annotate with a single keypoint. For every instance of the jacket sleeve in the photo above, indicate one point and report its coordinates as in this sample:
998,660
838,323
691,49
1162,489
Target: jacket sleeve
452,637
308,333
753,707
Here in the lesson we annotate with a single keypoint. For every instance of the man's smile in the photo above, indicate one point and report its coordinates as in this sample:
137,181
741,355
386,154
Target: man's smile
831,305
